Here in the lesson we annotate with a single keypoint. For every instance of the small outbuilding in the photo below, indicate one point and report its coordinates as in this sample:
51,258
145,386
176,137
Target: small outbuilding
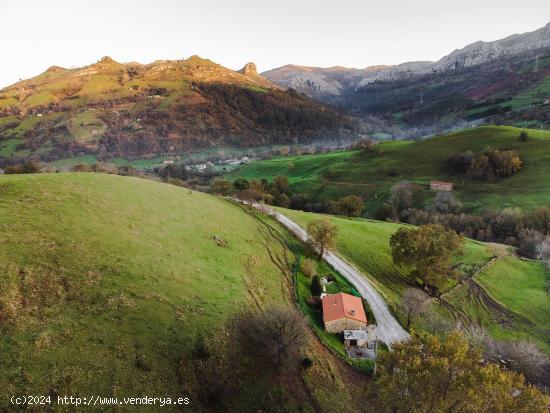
441,186
343,312
355,338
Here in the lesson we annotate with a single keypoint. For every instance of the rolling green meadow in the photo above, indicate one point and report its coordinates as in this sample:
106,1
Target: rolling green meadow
333,175
106,281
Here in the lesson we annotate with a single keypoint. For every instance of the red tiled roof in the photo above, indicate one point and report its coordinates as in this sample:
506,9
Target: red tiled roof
341,305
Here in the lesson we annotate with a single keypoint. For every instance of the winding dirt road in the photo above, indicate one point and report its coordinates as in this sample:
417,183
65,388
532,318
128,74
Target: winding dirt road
389,329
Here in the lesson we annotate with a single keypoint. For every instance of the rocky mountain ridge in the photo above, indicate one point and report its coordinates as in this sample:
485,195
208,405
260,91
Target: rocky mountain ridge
328,83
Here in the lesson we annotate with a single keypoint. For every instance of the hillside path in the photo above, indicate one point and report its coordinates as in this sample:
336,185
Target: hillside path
389,329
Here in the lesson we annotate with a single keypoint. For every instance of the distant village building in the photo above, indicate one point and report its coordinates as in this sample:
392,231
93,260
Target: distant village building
441,186
343,312
168,161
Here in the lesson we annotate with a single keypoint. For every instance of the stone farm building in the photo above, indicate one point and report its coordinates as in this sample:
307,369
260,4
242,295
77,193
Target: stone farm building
343,312
441,186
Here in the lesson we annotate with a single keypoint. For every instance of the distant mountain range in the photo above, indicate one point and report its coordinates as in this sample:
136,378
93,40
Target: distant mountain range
109,109
482,77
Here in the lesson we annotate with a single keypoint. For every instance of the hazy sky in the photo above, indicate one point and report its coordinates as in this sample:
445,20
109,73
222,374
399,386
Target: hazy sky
36,34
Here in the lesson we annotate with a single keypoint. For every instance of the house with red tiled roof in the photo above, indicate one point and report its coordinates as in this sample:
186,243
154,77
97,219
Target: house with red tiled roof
343,312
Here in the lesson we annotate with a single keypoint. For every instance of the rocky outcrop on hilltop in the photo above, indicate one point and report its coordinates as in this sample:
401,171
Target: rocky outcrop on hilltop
249,69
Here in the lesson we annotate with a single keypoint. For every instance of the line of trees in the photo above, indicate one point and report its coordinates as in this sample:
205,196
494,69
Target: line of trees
278,193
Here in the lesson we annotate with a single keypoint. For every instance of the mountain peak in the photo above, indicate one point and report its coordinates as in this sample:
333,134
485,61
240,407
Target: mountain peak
249,69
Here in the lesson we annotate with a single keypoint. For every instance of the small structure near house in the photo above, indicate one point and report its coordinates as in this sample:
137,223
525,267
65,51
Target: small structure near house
343,312
361,344
355,338
168,161
441,186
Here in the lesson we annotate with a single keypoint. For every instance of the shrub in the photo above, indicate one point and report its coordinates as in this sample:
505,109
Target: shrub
385,212
309,267
445,203
460,162
523,136
27,167
307,362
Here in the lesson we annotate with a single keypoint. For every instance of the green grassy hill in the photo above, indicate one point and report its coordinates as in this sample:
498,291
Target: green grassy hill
333,175
106,281
508,295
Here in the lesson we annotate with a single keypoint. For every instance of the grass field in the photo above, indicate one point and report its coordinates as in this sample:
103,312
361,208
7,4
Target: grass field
333,175
107,280
514,302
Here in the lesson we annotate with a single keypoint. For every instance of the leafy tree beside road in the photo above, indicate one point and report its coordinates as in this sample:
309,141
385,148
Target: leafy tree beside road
427,252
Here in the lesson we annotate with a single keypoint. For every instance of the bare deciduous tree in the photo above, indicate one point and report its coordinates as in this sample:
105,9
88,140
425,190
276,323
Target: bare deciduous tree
526,358
323,234
414,303
274,336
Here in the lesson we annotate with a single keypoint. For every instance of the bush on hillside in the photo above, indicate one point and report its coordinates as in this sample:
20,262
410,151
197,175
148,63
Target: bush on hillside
27,167
523,136
309,267
445,203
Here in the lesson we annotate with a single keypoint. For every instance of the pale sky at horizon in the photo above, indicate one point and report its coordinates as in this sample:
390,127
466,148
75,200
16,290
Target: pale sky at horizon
37,34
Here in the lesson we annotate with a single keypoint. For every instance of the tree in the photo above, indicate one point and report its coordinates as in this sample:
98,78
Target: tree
350,206
280,185
274,336
241,184
322,233
531,243
481,168
414,303
523,136
221,187
427,251
402,198
281,200
460,162
316,287
427,374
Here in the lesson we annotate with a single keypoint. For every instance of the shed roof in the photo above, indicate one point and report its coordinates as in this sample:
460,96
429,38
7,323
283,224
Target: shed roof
355,335
341,305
